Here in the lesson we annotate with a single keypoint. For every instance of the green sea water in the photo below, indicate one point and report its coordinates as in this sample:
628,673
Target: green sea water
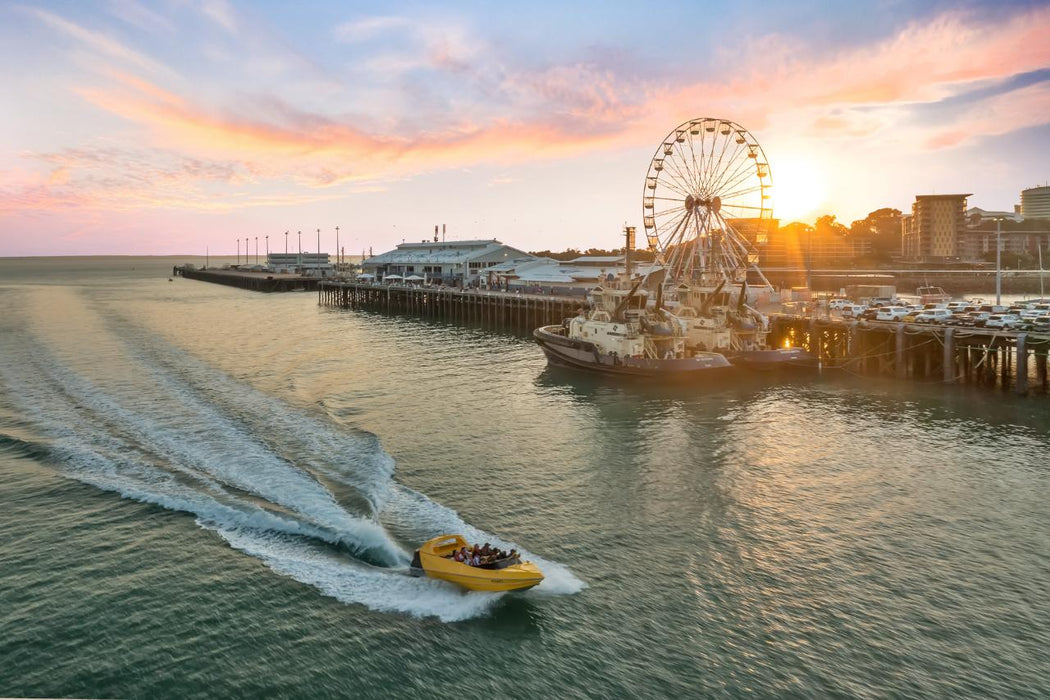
208,492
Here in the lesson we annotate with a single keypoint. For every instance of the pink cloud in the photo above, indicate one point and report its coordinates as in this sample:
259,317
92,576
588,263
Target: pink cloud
212,152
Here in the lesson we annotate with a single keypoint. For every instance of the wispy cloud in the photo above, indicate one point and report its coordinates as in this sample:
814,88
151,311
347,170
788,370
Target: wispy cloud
142,17
466,101
95,40
221,13
368,28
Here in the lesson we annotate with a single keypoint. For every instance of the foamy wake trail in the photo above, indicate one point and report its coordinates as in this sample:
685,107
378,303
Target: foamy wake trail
423,518
229,455
351,457
384,590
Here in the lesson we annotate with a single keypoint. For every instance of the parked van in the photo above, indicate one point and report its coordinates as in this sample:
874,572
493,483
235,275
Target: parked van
892,313
933,316
853,311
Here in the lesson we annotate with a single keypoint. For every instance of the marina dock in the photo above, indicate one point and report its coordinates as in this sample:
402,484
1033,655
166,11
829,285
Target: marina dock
490,309
1002,359
244,279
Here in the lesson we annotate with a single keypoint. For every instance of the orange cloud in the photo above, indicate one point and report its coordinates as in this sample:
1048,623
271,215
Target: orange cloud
854,95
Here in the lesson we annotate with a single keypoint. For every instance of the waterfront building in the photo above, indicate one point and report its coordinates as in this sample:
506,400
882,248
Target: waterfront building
931,232
454,263
1035,203
975,216
301,263
565,277
1018,235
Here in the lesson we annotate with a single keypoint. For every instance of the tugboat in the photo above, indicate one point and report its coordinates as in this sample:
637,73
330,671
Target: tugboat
621,335
735,329
435,559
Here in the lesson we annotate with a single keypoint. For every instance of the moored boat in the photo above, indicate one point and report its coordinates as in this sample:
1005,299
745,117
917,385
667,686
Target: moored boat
621,335
932,295
434,559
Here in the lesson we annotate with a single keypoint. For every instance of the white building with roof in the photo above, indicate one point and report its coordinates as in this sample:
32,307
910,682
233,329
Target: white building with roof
301,263
449,262
577,276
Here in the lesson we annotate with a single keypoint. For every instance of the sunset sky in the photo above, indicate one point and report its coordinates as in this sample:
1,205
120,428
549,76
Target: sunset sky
166,127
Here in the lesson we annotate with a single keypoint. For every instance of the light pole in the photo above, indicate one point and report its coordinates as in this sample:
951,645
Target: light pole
300,252
267,245
318,246
338,256
256,250
998,265
238,251
286,243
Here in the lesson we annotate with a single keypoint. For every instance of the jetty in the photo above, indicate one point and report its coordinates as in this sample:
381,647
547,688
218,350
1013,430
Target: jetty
1008,360
991,358
256,281
490,309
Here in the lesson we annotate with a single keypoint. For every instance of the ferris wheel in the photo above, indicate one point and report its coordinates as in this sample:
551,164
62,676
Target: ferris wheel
707,198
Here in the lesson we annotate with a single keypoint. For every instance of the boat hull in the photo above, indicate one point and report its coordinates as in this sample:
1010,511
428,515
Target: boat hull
432,562
582,355
775,359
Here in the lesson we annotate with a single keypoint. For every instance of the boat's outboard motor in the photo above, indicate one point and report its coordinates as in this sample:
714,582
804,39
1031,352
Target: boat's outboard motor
416,567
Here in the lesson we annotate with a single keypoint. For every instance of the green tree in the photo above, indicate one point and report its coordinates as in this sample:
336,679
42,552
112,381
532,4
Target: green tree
827,226
883,226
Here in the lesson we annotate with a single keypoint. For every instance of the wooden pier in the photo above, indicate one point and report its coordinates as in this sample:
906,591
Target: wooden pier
497,310
255,281
987,357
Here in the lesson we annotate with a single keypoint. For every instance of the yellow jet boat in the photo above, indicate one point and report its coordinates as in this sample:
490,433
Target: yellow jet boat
434,559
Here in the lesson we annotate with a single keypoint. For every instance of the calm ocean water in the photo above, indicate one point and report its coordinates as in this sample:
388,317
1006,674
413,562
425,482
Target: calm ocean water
208,492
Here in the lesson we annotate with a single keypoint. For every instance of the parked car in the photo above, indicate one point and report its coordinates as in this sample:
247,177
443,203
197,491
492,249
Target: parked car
868,314
979,317
877,302
933,316
839,303
1004,321
892,313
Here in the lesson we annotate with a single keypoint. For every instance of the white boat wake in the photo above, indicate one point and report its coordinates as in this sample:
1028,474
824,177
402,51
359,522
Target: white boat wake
142,418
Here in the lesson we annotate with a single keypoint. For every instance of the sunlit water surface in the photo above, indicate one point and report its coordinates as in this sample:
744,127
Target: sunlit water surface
213,492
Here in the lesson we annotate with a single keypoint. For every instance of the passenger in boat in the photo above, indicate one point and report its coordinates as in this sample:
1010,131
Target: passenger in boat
475,560
513,556
458,555
486,550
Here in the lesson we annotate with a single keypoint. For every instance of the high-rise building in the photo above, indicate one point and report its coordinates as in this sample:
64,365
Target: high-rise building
1035,203
931,232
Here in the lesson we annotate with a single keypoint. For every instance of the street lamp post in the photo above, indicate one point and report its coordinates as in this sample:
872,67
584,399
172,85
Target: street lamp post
338,256
286,243
267,245
998,262
318,245
256,250
300,252
238,251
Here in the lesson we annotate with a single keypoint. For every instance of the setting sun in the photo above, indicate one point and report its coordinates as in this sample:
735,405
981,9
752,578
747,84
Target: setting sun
799,188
